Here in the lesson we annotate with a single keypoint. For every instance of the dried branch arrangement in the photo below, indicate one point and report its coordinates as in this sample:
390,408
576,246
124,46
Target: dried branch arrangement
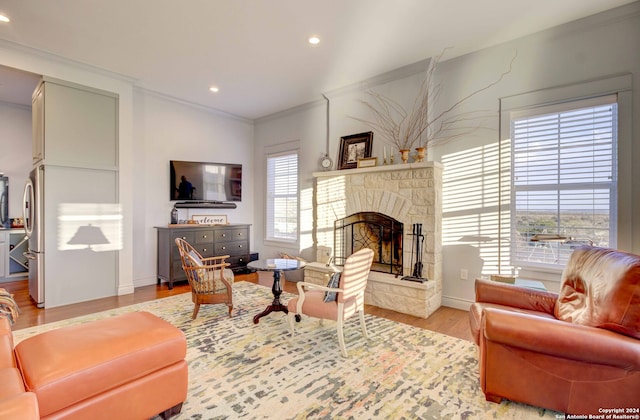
405,129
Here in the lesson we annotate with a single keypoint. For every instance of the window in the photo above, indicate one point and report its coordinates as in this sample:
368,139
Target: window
282,196
563,177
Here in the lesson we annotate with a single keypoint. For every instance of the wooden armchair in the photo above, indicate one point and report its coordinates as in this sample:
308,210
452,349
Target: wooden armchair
210,279
349,296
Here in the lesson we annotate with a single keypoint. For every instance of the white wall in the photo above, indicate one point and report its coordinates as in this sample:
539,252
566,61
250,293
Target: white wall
599,46
164,130
15,158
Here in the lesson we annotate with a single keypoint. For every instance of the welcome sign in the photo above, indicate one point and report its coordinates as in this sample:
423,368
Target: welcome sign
208,219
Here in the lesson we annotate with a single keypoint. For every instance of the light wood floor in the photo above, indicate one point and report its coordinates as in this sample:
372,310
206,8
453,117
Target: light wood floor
453,322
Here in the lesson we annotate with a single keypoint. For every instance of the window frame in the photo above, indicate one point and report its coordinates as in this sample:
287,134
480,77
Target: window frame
561,249
272,152
620,85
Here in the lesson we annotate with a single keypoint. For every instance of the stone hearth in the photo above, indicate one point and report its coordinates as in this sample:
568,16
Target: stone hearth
409,193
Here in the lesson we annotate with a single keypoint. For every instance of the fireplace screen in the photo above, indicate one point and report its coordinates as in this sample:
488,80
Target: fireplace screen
376,231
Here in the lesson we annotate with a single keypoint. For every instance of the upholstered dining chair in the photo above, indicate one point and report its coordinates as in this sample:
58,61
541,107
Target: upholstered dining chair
335,303
210,279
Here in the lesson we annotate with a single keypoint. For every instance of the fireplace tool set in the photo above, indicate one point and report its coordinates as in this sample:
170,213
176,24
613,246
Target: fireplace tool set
418,242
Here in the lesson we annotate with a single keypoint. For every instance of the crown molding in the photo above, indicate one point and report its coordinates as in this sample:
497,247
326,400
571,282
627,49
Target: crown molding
201,107
66,61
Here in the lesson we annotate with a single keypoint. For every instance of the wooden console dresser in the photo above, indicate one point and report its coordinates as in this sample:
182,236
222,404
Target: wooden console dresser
232,240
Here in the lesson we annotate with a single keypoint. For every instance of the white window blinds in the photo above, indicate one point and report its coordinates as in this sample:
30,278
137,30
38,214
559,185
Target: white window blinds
563,179
282,197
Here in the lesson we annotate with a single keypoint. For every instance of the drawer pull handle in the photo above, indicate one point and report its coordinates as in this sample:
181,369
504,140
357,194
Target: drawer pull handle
239,246
224,247
184,238
204,250
204,236
224,234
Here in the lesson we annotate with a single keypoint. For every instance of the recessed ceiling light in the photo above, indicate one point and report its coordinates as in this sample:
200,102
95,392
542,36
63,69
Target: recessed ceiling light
314,40
214,89
4,18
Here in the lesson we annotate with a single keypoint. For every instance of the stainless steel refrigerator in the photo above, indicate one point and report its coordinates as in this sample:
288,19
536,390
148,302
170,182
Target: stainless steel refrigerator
73,223
33,226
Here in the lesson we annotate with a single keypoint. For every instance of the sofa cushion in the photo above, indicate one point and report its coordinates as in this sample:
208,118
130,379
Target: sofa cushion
11,381
193,260
22,406
475,315
7,360
601,288
334,282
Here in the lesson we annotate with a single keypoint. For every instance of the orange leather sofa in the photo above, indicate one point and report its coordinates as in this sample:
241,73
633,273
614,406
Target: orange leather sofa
127,367
577,351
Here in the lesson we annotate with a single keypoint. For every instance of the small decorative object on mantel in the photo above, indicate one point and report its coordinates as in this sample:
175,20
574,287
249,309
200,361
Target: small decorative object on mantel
367,162
354,147
325,162
420,154
208,219
404,155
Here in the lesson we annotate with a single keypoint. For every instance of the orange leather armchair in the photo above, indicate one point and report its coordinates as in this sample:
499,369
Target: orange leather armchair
577,351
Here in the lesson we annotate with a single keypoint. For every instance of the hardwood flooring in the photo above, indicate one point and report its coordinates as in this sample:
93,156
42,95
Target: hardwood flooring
453,322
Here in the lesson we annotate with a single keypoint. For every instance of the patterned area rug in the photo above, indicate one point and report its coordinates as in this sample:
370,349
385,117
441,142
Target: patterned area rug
241,370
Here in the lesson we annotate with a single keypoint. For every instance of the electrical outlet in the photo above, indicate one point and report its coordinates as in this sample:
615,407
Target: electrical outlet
464,274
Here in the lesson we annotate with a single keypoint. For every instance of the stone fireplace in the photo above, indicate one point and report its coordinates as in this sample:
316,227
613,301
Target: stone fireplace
381,204
377,231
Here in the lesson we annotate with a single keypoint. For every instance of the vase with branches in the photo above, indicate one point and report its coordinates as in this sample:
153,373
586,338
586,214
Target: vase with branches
421,125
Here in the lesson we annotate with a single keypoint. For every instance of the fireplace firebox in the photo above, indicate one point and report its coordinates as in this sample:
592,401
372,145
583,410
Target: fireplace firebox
377,231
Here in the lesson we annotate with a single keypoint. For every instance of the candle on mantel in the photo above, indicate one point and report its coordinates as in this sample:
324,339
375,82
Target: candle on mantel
384,152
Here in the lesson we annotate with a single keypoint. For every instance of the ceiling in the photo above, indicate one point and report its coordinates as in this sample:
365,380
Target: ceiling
256,51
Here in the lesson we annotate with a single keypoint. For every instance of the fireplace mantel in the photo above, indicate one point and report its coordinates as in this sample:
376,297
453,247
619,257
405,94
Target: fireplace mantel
407,192
374,169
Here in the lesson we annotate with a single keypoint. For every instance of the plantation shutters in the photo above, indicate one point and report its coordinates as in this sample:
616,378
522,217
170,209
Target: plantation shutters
282,196
563,179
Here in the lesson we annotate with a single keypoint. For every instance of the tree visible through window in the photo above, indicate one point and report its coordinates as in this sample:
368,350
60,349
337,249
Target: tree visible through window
282,197
563,180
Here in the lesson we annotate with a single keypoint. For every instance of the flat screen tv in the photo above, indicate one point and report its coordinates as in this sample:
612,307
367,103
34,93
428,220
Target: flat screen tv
205,181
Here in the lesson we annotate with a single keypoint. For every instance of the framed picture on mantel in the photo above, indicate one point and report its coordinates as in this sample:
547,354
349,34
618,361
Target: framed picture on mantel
354,147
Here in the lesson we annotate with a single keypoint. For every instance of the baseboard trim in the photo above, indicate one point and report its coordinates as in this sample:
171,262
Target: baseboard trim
456,303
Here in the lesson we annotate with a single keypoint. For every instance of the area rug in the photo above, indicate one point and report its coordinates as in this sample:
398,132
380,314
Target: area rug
241,370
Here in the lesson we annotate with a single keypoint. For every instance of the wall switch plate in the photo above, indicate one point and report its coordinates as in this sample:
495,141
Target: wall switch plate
464,274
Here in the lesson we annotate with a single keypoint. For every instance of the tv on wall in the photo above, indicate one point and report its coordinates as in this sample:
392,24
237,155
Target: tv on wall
205,181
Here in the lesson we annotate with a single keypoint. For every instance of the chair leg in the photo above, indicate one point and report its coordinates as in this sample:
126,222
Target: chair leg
290,321
343,348
195,311
230,309
171,412
363,324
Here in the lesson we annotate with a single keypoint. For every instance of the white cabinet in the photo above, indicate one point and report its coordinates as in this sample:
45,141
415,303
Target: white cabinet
75,131
37,124
79,124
